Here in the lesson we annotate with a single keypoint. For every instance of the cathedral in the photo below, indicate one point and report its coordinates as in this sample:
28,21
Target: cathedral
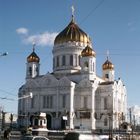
73,96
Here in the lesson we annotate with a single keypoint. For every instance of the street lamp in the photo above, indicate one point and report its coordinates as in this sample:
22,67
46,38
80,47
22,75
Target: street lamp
4,54
26,96
19,98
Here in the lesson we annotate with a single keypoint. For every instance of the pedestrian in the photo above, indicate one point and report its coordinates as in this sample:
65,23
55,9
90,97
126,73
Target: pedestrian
5,134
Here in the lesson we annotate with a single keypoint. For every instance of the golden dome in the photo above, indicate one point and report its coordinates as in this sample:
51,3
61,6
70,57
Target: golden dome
107,65
88,51
33,57
72,33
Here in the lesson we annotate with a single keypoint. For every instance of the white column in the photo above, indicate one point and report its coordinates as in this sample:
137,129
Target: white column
93,108
72,105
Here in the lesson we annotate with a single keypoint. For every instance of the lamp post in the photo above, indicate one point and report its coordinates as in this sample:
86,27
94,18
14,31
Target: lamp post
110,117
110,126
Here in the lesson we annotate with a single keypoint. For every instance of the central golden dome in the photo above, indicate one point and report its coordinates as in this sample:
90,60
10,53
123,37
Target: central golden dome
72,33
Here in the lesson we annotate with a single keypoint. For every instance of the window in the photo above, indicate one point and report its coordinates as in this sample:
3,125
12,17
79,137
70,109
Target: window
76,60
86,64
33,102
79,59
30,71
106,75
40,122
51,102
105,103
36,121
48,101
71,60
63,60
85,102
53,62
93,67
57,61
63,101
105,122
23,104
37,71
44,101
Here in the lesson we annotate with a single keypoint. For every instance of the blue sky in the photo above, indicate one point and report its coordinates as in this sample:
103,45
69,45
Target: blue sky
113,25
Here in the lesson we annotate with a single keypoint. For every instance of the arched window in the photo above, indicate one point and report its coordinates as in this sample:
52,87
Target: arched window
107,76
63,60
85,102
41,122
71,60
105,103
53,62
57,61
36,121
79,59
105,122
86,64
63,101
30,71
37,71
33,102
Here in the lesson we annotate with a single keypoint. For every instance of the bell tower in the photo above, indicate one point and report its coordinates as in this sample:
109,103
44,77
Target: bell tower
88,63
108,70
33,65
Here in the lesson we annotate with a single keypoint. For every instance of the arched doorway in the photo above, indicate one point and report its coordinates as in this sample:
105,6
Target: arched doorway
49,121
31,120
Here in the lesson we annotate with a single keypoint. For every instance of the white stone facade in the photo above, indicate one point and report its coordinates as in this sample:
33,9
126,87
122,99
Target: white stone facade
73,90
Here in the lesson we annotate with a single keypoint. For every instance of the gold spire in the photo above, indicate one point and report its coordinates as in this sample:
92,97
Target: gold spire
34,44
107,54
72,11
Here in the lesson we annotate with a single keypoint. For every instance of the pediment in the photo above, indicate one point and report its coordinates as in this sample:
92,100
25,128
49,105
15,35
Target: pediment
64,81
31,84
48,80
85,83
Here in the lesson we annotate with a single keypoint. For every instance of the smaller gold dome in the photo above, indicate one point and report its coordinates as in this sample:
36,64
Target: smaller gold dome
88,51
33,57
108,65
